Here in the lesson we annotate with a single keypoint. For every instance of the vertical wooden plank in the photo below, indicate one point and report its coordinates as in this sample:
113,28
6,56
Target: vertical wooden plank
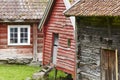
107,64
34,42
116,55
43,31
111,64
103,65
102,73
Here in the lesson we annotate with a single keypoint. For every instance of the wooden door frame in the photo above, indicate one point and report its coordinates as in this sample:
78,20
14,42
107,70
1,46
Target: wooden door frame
53,46
116,58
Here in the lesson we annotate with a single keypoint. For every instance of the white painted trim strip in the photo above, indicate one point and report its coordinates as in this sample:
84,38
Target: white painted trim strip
68,5
72,5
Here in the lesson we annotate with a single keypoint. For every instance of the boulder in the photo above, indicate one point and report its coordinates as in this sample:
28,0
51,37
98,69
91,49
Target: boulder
38,76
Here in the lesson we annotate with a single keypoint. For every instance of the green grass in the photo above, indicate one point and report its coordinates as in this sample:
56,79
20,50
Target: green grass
16,72
21,72
59,75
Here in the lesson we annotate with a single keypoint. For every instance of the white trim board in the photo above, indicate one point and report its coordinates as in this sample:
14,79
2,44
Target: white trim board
68,5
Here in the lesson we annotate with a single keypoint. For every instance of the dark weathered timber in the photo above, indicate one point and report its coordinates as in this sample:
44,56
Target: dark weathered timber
91,39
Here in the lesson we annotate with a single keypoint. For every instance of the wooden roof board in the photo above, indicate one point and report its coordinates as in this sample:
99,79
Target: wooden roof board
94,8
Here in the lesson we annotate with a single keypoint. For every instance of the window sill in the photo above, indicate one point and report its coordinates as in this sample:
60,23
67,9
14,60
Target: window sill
19,44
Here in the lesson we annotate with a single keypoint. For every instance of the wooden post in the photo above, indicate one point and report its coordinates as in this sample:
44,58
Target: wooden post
55,77
34,42
116,54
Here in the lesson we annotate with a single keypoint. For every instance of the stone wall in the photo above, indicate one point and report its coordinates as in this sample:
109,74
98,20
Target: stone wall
90,41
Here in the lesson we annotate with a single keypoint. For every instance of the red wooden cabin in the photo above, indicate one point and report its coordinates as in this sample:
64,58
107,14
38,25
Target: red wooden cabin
59,43
19,35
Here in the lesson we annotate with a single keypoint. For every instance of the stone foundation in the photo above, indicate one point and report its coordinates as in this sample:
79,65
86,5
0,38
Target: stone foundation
15,58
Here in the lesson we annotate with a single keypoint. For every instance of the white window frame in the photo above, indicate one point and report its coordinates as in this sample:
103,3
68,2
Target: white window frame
18,27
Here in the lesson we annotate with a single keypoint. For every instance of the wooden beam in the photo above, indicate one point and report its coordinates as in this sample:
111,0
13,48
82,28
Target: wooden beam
34,42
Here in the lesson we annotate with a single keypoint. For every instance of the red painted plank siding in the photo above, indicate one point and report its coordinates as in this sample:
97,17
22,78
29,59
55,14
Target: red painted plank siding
58,23
5,48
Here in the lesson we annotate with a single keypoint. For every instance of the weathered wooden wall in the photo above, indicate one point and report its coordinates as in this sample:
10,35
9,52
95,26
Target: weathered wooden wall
28,49
39,41
91,40
58,23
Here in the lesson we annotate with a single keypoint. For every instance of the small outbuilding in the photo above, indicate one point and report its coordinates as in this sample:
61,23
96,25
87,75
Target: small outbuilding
19,34
59,43
98,39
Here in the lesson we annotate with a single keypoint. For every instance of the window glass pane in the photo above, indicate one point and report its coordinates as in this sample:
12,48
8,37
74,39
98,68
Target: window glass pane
26,30
24,35
22,29
13,35
24,40
15,29
21,40
13,40
11,29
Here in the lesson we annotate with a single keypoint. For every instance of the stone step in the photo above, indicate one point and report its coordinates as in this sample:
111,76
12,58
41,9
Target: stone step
40,75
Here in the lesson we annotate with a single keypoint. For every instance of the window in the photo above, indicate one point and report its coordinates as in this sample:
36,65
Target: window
19,35
69,42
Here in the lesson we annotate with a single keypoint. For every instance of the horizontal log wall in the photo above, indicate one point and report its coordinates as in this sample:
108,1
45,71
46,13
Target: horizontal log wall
28,49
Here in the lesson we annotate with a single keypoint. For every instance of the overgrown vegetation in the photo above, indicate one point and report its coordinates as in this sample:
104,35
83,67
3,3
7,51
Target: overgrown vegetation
60,74
100,21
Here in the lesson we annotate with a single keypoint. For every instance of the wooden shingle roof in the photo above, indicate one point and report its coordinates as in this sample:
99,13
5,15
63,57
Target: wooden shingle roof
46,13
95,8
22,9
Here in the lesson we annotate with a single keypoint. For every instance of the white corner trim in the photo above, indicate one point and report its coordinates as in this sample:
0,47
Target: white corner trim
68,5
77,1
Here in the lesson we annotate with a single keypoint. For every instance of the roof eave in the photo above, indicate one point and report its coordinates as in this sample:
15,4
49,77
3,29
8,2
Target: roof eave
45,15
97,15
